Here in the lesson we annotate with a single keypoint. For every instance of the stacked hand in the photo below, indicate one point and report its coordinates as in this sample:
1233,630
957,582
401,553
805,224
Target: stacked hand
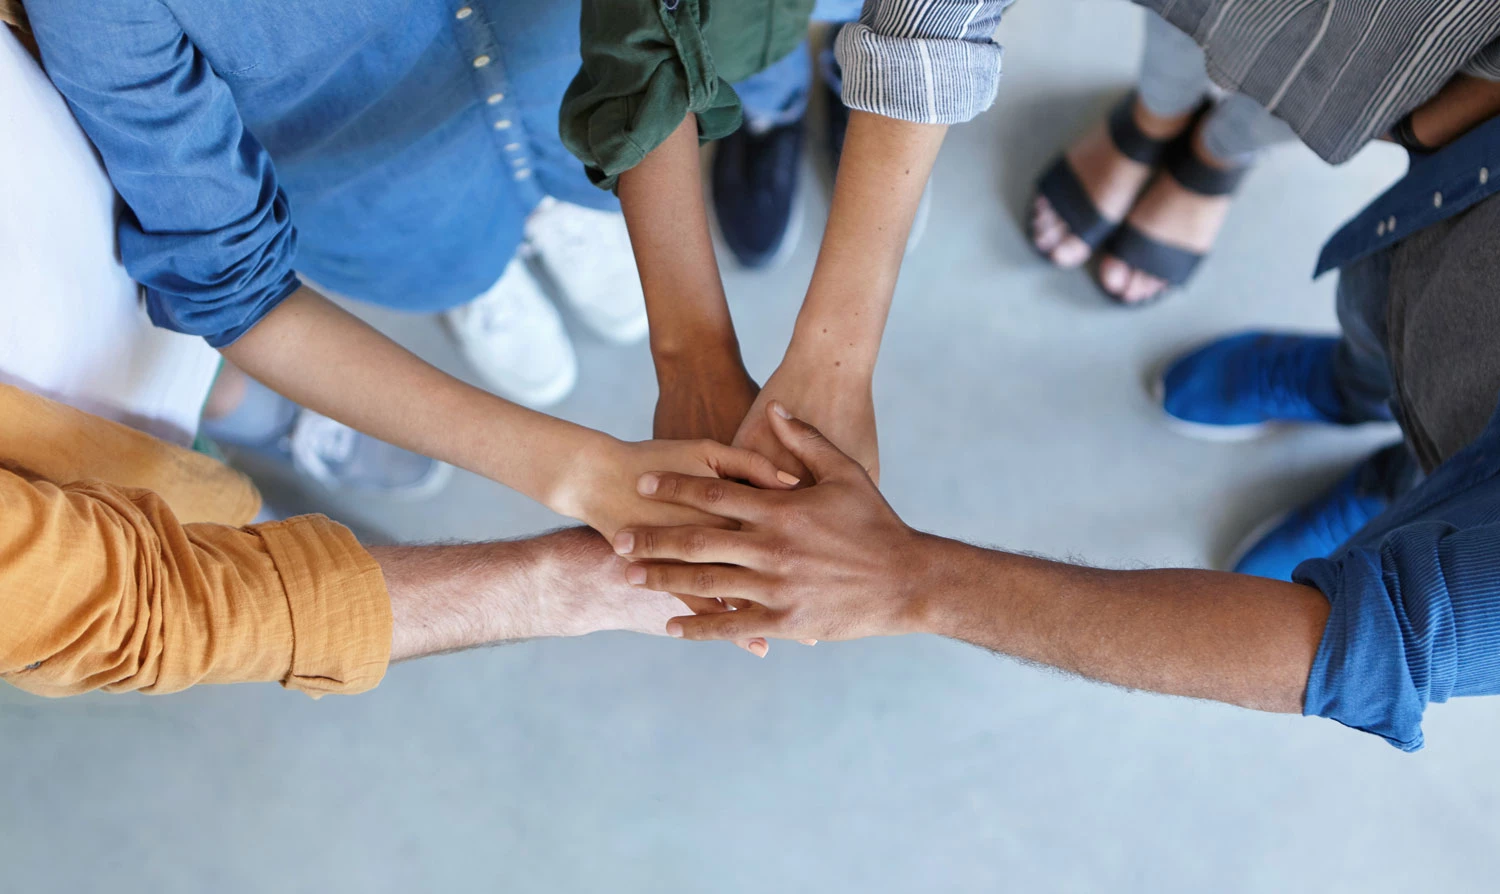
826,562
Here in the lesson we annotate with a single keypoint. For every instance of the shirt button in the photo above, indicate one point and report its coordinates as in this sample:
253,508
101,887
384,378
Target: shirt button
464,12
1380,229
512,147
481,61
1437,200
1390,224
494,98
523,173
1484,176
502,124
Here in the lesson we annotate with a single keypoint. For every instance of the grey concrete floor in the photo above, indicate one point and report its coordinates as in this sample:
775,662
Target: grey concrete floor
1012,413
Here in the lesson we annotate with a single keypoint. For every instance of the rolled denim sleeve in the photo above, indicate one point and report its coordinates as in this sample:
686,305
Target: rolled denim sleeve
206,228
646,64
925,61
1413,621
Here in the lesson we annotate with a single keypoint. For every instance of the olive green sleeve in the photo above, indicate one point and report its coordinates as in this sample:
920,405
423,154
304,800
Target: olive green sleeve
645,65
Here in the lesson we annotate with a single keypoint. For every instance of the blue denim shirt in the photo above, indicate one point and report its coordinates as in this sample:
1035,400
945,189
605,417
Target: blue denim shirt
1415,595
1437,186
390,150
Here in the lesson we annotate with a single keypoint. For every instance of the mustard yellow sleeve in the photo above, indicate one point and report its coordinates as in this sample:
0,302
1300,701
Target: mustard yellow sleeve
102,588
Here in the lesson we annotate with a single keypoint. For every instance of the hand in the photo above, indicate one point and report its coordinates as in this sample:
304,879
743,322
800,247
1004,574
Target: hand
603,492
839,403
703,398
831,561
600,487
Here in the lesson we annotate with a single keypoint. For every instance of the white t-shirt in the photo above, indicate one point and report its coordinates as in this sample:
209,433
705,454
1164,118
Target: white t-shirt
71,323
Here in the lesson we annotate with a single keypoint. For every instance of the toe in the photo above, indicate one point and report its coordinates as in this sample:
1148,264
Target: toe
1071,252
1143,287
1114,276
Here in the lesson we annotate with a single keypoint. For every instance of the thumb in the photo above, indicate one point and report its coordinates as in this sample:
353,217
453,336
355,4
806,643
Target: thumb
809,445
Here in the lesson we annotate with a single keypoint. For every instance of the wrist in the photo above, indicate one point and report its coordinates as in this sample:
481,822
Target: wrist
693,345
832,349
571,492
940,586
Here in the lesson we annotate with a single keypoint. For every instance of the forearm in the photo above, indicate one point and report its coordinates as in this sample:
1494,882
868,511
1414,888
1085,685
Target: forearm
566,583
882,173
1461,105
1233,638
327,360
662,199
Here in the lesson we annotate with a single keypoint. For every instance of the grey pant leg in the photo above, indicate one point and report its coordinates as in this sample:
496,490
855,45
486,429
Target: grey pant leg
1173,78
1361,364
1239,127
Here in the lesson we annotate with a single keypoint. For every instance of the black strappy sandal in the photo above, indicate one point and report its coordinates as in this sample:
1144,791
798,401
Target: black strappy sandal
1169,263
1062,189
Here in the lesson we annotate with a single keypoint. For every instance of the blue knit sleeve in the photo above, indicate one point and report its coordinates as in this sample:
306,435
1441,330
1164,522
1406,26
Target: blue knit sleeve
1415,620
206,229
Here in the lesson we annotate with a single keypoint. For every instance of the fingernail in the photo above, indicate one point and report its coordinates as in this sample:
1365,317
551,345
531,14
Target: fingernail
787,478
809,642
758,650
779,410
624,542
648,484
674,629
636,574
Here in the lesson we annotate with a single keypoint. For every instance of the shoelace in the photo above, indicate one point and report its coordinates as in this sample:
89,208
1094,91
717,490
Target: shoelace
316,441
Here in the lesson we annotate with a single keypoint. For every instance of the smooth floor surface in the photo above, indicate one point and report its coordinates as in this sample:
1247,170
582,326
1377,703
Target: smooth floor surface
1014,412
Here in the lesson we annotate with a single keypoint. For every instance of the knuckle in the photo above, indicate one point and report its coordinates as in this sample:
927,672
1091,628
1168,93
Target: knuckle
696,543
650,541
783,554
670,486
705,580
713,492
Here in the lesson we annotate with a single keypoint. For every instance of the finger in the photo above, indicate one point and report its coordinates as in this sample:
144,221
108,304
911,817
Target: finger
710,581
700,605
747,465
688,543
754,622
809,445
714,496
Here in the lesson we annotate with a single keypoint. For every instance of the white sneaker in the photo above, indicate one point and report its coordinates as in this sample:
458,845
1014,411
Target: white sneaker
515,340
587,255
340,458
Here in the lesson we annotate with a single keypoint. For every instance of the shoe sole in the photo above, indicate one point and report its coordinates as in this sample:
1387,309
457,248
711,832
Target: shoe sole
1202,431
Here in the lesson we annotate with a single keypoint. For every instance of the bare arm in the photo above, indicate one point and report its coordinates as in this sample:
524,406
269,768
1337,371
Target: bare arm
826,374
834,561
325,359
704,389
567,583
328,360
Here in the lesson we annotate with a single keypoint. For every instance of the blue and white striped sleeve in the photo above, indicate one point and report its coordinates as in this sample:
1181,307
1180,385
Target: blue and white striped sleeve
925,61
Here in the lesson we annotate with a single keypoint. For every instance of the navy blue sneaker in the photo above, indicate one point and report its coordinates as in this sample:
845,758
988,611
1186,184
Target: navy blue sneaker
1315,530
1235,387
755,178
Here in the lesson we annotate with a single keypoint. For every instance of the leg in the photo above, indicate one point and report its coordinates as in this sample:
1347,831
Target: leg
1172,83
1228,139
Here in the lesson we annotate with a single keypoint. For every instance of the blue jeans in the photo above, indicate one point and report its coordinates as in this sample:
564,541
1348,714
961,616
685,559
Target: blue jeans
778,95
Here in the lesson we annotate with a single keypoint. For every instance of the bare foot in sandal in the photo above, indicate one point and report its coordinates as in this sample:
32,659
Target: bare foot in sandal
1110,179
1179,213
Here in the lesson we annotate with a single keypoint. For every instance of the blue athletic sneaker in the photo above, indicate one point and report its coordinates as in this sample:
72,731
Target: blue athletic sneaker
1315,530
1234,387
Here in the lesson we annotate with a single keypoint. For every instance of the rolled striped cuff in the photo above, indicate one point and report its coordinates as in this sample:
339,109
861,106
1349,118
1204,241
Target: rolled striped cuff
922,80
